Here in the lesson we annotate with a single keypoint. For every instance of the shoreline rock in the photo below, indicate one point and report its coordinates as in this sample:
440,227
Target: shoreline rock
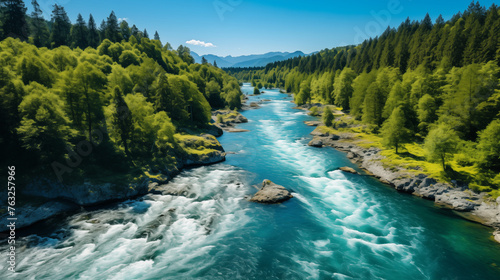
271,193
229,120
471,206
348,170
46,198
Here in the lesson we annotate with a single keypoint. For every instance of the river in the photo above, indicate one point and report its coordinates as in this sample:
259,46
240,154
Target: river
337,226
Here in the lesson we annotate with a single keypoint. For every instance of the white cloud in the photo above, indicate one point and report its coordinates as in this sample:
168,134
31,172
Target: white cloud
200,43
122,19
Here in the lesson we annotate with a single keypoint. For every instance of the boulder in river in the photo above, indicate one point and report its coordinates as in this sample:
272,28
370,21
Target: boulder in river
316,143
271,193
348,170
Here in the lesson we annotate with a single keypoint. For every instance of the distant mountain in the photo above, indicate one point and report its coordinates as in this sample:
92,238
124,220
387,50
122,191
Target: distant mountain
254,60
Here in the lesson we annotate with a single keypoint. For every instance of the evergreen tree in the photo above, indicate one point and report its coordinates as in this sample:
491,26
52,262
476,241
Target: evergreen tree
203,60
122,119
102,31
157,36
13,20
215,64
112,29
426,112
61,27
489,147
393,131
145,34
125,30
372,108
93,33
327,116
79,33
343,88
39,28
134,31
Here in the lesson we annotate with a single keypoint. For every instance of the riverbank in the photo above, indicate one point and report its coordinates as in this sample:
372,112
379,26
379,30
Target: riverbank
43,198
476,207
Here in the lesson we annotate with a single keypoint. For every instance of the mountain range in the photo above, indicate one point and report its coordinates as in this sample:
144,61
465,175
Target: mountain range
254,60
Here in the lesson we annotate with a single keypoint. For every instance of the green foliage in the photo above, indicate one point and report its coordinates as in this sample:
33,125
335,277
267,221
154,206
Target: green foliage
489,147
343,88
445,73
393,130
441,144
313,111
304,95
426,112
13,19
327,117
44,127
53,99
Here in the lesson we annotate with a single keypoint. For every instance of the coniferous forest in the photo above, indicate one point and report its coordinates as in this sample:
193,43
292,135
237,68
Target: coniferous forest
431,83
63,83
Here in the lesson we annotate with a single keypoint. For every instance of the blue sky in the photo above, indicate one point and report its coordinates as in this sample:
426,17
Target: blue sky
238,27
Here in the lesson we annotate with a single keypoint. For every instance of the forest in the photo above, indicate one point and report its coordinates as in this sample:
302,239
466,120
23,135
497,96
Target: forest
64,83
434,85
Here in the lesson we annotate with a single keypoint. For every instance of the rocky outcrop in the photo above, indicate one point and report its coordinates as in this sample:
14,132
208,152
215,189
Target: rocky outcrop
271,193
227,119
202,150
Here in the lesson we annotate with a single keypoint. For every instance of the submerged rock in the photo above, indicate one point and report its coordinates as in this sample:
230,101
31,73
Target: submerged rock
271,193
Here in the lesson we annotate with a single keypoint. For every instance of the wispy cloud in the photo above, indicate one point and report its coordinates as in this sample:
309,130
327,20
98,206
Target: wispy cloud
200,43
123,19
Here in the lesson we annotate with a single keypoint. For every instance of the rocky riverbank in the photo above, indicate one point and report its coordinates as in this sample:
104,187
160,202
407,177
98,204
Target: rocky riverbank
44,198
472,206
227,120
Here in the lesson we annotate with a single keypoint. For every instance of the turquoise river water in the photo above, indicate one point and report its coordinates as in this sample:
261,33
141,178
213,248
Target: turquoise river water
337,226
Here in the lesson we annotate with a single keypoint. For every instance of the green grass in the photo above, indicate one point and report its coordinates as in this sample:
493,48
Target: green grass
412,157
197,145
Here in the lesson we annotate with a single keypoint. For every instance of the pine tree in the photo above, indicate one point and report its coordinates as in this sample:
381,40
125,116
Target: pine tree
13,19
343,88
215,64
61,27
102,30
135,32
39,28
157,36
111,31
79,33
145,34
489,147
93,33
203,60
125,30
393,131
327,116
122,119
